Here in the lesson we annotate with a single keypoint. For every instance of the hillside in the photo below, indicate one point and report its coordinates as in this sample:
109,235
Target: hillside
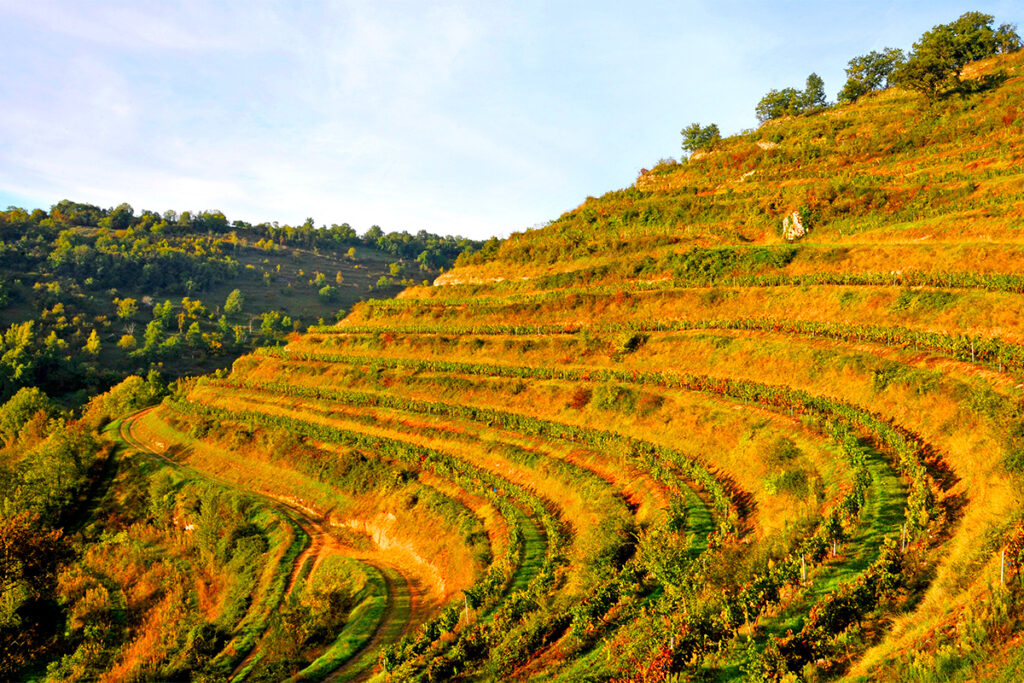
651,439
90,295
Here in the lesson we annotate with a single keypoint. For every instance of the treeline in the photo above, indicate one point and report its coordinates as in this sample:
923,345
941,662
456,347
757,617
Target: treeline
87,294
933,67
150,249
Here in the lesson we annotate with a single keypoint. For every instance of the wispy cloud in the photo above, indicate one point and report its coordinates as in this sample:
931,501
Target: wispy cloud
467,117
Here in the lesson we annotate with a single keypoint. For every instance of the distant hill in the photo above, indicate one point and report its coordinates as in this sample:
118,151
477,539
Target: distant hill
79,269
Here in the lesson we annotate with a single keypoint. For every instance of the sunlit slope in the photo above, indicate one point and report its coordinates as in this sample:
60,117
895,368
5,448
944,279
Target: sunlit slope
656,437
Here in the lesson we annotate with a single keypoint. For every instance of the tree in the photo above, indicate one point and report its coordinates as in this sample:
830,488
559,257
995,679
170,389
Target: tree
164,313
18,362
792,102
20,408
194,336
700,138
813,96
92,344
234,302
328,293
153,335
940,55
1007,40
870,72
126,308
127,342
31,555
118,219
778,103
273,324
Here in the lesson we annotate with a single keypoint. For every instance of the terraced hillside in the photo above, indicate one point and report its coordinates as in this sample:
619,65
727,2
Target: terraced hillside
655,438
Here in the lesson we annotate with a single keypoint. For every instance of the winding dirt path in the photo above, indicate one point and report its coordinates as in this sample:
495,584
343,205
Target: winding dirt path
404,595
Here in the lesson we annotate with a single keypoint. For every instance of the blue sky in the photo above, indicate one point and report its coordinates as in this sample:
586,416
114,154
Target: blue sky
474,118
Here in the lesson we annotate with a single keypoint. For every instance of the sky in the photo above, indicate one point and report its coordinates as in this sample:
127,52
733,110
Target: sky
472,118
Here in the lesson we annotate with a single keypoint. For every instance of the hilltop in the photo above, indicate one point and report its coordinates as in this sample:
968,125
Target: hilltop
659,436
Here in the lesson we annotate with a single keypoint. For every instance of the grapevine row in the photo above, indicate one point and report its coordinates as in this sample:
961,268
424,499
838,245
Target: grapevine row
493,584
976,349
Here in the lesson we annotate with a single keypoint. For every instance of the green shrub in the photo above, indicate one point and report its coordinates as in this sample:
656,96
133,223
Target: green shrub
615,397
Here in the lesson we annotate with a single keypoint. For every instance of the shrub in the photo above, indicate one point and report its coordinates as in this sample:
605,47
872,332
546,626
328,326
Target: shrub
127,342
782,451
580,398
328,293
615,397
791,482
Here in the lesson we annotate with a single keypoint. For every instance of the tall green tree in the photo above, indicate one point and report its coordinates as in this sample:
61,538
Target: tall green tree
1007,40
870,72
778,103
813,96
792,102
700,138
234,302
935,64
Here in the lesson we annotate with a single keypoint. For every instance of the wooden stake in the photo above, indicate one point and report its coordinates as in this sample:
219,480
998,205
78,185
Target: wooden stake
803,570
1002,568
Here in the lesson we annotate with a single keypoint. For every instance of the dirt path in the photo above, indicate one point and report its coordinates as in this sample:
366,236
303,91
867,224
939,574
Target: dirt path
402,597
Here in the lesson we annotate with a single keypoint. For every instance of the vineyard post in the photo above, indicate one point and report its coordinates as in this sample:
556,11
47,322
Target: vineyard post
903,535
1002,568
803,569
